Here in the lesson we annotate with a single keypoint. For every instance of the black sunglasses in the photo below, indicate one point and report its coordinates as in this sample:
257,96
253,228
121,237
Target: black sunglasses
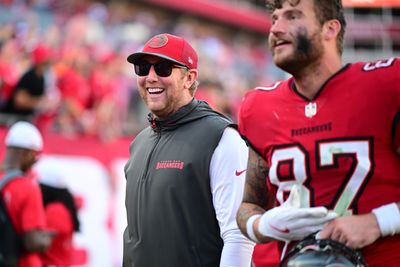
162,68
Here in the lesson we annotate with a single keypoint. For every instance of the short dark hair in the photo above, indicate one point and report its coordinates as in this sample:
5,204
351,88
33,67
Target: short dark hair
324,9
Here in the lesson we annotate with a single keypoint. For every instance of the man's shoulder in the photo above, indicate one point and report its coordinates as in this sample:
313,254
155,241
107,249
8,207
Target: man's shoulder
265,97
21,184
379,75
215,120
275,89
377,66
28,76
279,85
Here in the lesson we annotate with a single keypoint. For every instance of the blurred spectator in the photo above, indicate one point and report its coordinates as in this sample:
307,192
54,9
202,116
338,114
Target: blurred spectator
29,97
105,83
215,95
73,71
61,217
9,72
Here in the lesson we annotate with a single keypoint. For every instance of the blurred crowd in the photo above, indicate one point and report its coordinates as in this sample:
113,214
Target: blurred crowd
89,88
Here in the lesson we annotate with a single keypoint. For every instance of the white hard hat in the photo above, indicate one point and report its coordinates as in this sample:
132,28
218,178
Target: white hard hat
23,134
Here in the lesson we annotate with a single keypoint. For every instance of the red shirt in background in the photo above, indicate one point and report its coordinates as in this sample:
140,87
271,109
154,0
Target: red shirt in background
61,250
23,199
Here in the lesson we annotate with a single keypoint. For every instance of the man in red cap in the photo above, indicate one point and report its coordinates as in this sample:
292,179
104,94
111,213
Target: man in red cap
185,174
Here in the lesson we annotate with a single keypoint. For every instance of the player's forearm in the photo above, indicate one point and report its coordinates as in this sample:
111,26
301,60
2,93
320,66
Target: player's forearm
245,212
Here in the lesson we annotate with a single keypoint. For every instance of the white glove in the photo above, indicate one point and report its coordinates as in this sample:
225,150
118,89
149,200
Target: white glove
290,222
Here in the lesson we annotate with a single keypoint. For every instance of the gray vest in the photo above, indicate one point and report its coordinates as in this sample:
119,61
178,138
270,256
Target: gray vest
171,218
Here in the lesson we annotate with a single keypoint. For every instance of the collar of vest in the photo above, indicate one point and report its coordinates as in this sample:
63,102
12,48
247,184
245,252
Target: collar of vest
195,110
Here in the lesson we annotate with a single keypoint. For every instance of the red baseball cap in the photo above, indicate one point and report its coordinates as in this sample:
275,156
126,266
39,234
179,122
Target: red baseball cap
41,53
170,47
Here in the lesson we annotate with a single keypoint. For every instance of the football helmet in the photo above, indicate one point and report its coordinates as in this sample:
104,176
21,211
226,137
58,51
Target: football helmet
312,252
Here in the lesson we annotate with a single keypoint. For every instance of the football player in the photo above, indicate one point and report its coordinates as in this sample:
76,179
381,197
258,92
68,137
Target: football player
324,143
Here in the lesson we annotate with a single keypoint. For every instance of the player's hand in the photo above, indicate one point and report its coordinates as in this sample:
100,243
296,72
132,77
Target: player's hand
290,222
355,231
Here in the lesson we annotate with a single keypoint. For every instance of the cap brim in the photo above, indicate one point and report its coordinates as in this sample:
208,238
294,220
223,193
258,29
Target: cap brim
135,57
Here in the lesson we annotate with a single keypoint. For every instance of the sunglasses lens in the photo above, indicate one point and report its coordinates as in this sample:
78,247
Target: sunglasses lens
142,69
163,69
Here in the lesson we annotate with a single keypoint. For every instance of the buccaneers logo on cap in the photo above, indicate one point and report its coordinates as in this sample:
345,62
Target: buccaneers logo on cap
158,41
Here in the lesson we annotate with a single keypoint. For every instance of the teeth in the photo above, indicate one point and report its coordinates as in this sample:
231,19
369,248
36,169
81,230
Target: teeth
155,90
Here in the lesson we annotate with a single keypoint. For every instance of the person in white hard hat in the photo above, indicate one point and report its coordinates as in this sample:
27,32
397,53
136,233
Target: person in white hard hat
24,143
21,193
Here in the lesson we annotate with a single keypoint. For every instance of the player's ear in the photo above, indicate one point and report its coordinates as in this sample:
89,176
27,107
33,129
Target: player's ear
331,29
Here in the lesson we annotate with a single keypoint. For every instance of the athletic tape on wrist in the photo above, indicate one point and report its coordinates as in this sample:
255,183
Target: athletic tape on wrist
250,228
388,217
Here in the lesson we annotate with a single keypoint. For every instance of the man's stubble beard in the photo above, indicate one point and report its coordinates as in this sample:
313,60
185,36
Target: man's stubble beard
307,52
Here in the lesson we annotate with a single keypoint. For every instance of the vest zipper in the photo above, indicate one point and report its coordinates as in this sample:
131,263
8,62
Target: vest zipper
142,179
150,156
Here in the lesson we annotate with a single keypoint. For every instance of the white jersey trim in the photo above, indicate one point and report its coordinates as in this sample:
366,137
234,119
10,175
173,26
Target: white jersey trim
268,88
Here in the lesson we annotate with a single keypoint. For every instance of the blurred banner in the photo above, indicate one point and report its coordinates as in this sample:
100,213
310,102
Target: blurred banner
239,16
371,3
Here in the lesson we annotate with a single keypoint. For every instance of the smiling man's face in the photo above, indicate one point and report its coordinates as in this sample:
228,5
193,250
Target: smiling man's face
163,96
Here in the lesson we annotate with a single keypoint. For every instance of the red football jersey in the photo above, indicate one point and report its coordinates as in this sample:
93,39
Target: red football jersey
338,147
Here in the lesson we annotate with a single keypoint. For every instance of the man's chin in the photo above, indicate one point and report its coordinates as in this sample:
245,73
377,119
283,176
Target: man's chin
156,109
281,60
285,65
290,65
155,105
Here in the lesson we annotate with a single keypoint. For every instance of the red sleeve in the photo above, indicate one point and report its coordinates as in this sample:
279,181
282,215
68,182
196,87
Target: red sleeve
24,202
58,218
245,112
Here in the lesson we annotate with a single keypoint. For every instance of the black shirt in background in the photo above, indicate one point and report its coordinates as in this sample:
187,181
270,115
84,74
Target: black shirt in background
30,82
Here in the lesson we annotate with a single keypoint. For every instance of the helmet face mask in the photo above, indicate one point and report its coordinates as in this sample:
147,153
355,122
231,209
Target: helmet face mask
312,252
